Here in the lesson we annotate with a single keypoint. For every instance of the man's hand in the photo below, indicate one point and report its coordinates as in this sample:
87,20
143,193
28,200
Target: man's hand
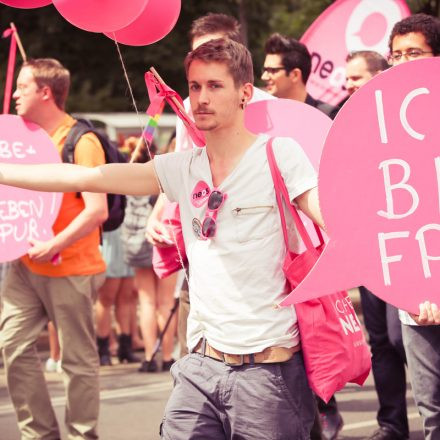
429,314
42,251
157,233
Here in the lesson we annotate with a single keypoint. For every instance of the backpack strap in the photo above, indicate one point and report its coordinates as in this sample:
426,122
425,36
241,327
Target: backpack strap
81,127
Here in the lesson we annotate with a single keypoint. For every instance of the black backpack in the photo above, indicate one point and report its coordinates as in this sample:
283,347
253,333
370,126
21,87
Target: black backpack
116,202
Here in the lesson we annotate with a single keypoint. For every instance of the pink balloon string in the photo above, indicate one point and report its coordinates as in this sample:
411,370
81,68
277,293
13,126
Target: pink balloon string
10,69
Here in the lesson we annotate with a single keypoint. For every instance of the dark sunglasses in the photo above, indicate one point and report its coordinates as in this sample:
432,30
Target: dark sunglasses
208,226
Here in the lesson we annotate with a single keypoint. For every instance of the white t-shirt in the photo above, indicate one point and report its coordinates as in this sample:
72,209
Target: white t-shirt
236,278
183,139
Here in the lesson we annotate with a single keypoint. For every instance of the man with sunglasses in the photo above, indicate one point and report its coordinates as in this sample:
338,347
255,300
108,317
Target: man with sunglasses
287,68
412,38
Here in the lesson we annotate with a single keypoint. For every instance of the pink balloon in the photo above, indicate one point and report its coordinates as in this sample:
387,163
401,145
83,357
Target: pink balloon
100,15
153,24
25,214
26,4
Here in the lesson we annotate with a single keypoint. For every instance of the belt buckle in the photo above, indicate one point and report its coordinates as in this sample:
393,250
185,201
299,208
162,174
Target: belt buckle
235,364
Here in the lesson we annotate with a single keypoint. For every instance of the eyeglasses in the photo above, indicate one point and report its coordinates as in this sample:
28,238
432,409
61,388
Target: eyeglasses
410,54
271,70
208,227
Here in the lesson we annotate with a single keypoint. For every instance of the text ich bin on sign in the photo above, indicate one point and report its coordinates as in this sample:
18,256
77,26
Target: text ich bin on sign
379,190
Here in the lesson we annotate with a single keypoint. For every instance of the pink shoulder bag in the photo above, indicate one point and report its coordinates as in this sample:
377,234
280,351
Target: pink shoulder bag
334,347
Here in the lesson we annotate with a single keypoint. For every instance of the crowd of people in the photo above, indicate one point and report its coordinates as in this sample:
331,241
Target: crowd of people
241,371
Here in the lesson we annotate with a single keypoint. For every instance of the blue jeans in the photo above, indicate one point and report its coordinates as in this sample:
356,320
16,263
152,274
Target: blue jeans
422,345
214,401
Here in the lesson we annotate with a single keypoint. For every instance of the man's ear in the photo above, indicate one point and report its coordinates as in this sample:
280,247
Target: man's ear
247,92
47,93
295,75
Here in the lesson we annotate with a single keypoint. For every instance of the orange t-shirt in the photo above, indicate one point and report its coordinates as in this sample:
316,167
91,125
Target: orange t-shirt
82,257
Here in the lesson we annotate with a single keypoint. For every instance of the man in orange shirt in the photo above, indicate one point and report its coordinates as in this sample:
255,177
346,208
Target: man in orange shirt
57,280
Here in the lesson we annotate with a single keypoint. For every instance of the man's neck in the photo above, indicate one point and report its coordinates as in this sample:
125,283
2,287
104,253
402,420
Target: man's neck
298,93
225,148
50,120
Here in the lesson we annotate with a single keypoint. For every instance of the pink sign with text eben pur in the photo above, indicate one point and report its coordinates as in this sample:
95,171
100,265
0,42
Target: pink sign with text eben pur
25,214
379,191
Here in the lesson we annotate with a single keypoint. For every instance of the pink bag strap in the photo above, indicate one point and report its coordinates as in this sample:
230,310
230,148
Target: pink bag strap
282,193
159,94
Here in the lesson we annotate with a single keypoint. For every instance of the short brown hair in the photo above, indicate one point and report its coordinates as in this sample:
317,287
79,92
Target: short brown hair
221,50
375,61
51,73
212,23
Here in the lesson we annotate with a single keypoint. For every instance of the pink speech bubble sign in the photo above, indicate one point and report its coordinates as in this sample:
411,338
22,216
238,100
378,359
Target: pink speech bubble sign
26,4
25,214
302,122
379,186
345,26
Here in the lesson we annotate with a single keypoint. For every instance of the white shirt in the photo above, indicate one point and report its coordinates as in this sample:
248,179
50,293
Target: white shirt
183,139
236,278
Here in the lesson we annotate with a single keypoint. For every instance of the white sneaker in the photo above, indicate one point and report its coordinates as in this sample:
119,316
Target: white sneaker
51,365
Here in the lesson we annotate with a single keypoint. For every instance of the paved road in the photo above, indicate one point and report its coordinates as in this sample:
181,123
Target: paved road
132,405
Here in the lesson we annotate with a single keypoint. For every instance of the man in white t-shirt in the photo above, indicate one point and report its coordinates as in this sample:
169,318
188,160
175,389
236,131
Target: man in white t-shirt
245,377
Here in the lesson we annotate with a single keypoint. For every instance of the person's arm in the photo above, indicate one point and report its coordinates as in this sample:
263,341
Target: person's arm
308,202
92,216
157,233
132,179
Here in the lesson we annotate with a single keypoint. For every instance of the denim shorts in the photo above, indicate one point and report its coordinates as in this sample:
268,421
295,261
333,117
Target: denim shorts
212,400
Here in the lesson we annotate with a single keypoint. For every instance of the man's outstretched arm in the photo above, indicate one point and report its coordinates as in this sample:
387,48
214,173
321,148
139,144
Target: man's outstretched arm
134,179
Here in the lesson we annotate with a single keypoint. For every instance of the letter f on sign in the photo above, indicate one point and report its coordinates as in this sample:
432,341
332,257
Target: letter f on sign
384,258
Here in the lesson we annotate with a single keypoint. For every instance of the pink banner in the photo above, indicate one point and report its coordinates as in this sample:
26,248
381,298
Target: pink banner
346,26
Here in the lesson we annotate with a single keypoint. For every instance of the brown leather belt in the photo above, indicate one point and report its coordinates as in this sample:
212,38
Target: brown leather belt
268,355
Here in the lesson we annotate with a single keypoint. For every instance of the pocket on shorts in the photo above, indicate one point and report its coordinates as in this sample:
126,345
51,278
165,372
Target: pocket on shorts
254,220
294,383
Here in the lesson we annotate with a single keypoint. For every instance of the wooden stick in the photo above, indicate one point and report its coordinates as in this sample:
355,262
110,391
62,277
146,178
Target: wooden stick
137,150
17,38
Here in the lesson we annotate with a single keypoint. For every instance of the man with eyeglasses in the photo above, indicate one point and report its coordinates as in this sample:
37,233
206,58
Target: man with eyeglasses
412,38
287,68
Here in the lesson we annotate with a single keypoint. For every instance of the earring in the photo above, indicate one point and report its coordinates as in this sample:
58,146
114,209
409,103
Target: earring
243,104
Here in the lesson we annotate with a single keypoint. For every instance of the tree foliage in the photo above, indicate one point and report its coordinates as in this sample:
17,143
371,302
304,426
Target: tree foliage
98,82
